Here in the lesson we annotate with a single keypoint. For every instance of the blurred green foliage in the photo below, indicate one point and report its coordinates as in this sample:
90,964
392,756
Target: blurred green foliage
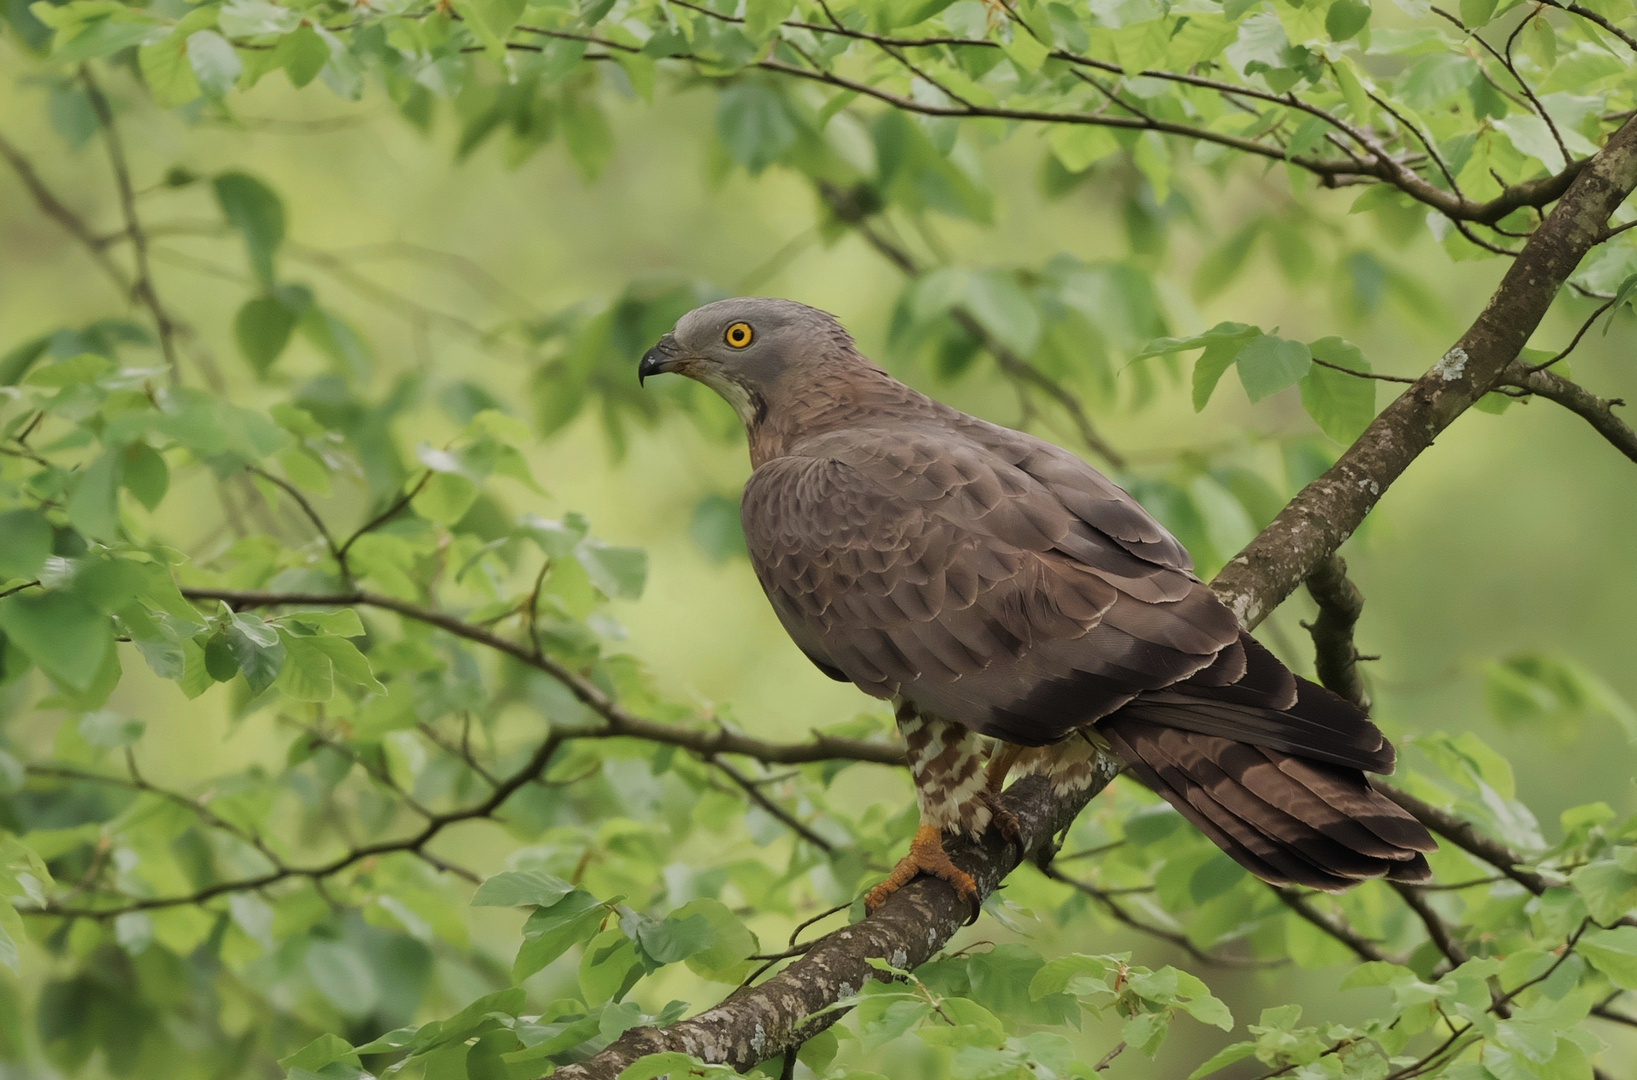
363,337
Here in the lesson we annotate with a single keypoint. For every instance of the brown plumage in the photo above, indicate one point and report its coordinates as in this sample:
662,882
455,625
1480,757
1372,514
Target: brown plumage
997,584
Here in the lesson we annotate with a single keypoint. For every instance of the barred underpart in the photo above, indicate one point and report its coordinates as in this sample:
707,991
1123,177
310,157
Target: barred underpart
946,762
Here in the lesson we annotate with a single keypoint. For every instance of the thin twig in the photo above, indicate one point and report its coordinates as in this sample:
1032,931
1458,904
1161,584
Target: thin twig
761,799
142,289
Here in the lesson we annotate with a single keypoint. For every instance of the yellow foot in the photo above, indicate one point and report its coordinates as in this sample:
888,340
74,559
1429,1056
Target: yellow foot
926,856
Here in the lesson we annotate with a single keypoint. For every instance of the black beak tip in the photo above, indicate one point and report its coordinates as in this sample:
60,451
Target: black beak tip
651,364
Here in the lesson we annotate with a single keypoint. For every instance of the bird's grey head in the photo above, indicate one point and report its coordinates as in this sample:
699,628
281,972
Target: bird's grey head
747,349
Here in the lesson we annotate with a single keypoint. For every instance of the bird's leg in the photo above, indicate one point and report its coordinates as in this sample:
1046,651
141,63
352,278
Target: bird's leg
946,763
1000,766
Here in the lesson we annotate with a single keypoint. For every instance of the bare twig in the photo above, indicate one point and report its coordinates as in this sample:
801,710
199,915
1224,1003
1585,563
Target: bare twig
1121,915
1596,411
761,799
143,288
1336,927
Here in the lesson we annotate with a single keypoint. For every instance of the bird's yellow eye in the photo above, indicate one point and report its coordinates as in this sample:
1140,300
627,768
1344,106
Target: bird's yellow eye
739,335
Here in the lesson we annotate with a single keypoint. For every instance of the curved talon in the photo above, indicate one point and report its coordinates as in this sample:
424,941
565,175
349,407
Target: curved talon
1002,819
926,856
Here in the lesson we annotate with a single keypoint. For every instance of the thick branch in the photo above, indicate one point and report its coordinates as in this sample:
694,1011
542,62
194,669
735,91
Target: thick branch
1327,511
763,1021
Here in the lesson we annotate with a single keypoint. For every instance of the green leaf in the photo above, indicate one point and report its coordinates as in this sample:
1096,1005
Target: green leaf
256,18
262,329
1622,296
1609,890
334,337
723,958
1345,19
77,370
93,508
220,662
214,62
347,662
256,649
1223,1058
609,967
342,976
1552,692
324,1050
445,498
256,212
518,887
762,17
1269,364
1341,404
25,541
1000,305
1079,146
15,363
110,730
1146,1031
302,54
306,673
1614,953
619,572
552,931
1223,263
144,474
1476,13
673,1063
8,947
754,125
586,130
65,636
674,939
715,527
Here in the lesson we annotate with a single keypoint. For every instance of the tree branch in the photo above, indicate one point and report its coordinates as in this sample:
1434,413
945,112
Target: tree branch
620,723
1596,411
1121,915
1326,512
1334,654
1381,164
59,212
1336,927
762,1022
142,289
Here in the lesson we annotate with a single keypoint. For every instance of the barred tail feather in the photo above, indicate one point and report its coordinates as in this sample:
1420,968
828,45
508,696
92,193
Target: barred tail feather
1289,820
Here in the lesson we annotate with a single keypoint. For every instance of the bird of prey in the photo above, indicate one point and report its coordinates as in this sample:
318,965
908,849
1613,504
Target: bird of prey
996,587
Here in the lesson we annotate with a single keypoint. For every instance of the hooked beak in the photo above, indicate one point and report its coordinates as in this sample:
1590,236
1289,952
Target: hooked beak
662,358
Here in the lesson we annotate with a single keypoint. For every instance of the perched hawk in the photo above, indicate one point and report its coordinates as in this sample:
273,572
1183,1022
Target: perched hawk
992,584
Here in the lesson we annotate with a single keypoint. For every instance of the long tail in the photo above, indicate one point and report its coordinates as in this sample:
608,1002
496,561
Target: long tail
1287,819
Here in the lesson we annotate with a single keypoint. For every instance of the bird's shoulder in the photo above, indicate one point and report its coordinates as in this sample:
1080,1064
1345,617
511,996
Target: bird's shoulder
980,476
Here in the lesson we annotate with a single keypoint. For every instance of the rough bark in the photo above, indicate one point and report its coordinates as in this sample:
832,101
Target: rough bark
1325,513
759,1022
